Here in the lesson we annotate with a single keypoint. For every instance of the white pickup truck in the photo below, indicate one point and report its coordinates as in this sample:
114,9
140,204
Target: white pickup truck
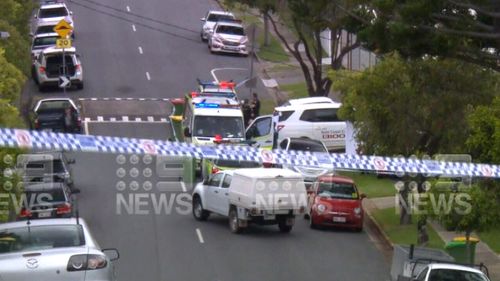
255,195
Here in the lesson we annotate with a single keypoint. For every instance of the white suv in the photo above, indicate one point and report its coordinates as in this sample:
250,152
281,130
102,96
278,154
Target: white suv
228,37
302,118
48,68
53,11
210,20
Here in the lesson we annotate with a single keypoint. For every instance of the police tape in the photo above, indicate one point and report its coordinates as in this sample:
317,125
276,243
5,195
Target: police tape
86,143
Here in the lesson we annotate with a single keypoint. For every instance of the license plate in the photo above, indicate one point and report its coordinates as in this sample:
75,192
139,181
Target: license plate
269,217
44,215
339,219
231,48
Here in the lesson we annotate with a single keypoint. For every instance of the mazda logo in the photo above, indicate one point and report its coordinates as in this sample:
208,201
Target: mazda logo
32,263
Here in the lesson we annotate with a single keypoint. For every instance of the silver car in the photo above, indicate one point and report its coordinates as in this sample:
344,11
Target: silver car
53,249
210,20
228,37
41,42
50,66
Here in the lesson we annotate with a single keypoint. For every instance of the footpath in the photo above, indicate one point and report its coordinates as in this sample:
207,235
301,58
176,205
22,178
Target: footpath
484,254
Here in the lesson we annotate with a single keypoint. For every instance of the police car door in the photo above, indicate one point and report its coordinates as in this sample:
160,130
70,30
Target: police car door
261,131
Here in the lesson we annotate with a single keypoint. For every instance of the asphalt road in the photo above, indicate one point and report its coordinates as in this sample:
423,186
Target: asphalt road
158,244
152,49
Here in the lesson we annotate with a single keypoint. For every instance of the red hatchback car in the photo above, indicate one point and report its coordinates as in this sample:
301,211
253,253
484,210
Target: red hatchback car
335,201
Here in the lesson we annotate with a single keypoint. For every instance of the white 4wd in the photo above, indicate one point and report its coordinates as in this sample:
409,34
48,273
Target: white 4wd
443,271
50,66
255,195
210,20
302,118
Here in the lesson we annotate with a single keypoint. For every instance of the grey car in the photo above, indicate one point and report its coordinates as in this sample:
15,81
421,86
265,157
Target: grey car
53,249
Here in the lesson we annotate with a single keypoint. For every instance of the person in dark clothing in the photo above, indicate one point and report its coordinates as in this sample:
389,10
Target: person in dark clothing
255,105
247,112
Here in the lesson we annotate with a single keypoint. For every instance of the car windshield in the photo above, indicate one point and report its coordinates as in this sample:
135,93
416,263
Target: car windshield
236,164
45,41
444,274
41,197
218,17
226,127
307,146
54,105
53,13
231,30
45,29
337,190
37,238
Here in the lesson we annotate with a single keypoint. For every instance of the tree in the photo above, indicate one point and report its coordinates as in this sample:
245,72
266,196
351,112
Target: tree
416,106
468,30
11,80
265,7
308,19
16,48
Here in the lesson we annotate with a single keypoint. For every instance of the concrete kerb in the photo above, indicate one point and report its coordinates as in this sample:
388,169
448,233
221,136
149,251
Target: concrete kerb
369,207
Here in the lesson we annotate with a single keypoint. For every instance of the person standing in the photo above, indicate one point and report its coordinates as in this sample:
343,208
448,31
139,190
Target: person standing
247,112
255,106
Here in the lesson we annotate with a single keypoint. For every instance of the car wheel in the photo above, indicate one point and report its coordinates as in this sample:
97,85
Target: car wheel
33,75
284,227
79,86
307,216
234,221
198,212
359,229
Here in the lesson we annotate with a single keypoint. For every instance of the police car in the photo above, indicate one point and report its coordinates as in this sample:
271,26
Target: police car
207,119
224,89
301,118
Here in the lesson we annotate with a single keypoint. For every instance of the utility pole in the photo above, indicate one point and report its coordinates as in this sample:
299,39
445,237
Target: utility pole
252,58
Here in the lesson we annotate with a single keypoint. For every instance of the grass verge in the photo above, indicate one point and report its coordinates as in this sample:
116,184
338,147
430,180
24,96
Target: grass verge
492,238
267,106
274,52
403,234
295,91
370,185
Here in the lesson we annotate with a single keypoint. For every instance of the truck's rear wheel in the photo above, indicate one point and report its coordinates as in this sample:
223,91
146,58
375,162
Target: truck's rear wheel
234,221
285,228
198,212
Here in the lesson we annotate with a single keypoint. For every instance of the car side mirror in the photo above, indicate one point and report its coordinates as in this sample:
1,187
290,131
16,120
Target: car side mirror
187,133
362,196
202,19
111,253
32,34
71,12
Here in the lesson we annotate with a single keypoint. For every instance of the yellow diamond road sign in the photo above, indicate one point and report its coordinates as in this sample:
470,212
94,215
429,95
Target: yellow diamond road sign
63,28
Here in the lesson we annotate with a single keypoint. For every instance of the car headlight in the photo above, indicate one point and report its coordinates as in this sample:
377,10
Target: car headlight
217,40
244,41
321,208
207,28
357,211
86,262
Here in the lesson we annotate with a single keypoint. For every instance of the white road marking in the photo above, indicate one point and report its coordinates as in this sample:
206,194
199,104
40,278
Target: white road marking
125,118
223,68
184,189
148,76
200,237
128,9
118,98
151,118
100,118
87,119
138,119
133,28
163,120
140,50
112,119
86,126
93,99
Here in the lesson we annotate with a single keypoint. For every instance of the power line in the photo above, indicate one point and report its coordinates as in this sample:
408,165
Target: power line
136,15
136,23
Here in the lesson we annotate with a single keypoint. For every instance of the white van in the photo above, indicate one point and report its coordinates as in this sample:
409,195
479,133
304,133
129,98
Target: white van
255,195
302,118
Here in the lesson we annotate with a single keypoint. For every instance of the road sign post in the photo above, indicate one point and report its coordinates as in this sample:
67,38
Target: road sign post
63,29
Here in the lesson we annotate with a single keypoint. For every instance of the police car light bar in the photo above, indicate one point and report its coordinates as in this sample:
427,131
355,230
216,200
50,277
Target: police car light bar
215,105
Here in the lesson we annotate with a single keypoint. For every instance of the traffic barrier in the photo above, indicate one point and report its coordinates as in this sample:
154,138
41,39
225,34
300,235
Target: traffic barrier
87,143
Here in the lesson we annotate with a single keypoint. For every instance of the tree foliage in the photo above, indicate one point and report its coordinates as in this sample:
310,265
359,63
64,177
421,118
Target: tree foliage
417,106
11,80
465,30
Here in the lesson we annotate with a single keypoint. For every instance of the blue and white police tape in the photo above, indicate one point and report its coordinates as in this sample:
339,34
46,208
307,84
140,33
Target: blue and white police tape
69,142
